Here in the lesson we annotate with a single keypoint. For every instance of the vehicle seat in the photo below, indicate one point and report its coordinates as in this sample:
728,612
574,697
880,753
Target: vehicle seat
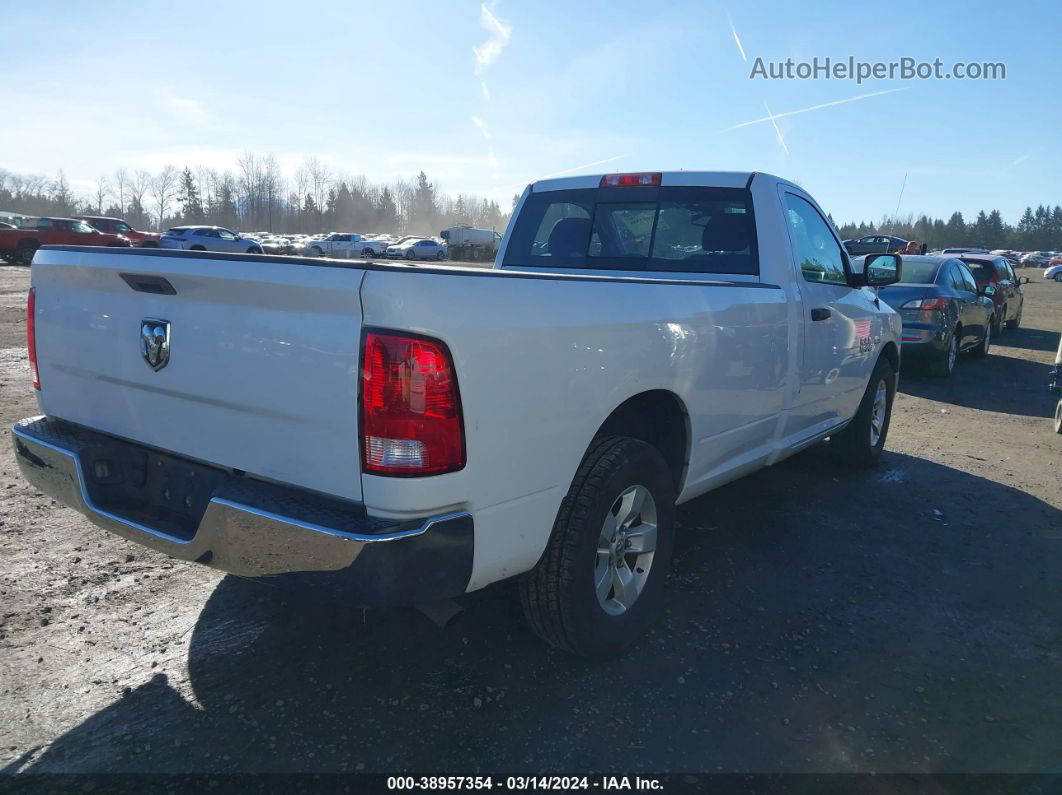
569,237
726,232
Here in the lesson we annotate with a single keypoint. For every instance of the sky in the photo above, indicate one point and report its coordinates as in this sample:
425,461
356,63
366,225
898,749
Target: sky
486,97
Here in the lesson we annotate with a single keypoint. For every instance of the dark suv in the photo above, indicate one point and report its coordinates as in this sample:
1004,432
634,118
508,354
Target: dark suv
1006,295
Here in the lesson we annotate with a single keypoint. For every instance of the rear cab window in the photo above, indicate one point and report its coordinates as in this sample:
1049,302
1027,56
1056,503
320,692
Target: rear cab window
676,229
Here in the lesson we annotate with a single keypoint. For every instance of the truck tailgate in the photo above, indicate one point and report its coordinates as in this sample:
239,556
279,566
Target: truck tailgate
262,374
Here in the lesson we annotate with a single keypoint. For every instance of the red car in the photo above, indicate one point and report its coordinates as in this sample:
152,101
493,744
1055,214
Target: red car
996,272
19,245
116,226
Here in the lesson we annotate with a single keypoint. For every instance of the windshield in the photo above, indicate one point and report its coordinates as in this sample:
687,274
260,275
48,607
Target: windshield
919,271
678,229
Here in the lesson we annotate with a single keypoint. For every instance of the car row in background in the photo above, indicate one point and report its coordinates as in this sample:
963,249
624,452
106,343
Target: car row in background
953,304
19,244
209,238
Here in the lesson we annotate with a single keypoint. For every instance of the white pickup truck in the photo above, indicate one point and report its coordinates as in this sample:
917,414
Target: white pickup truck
396,434
346,244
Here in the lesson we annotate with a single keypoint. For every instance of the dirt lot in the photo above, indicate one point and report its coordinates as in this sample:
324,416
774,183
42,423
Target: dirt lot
905,619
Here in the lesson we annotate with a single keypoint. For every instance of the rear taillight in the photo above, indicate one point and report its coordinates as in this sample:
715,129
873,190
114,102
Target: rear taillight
410,407
630,181
926,304
31,335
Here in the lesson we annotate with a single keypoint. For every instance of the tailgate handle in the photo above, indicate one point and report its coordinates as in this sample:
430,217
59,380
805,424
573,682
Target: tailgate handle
145,283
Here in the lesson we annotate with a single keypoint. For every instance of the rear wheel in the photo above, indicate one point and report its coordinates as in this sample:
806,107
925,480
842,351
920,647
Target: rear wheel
944,364
196,248
997,321
861,443
1058,417
600,581
24,252
440,256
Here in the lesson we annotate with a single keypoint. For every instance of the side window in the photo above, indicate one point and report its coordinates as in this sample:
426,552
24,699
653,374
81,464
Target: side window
954,277
225,234
968,280
817,252
1001,270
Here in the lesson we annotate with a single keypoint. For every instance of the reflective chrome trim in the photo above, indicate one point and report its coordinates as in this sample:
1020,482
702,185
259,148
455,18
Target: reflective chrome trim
232,536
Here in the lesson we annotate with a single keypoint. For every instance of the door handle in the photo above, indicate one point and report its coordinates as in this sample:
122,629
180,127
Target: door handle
821,313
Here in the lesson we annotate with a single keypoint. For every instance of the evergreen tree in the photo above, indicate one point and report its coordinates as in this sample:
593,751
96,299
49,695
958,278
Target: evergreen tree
189,199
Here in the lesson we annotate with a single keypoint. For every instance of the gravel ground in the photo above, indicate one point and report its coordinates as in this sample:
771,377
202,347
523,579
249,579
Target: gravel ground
904,619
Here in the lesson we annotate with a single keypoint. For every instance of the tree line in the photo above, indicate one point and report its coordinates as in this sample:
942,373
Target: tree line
1036,230
255,197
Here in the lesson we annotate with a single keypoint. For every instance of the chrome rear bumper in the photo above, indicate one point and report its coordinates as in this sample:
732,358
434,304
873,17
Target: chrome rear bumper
241,525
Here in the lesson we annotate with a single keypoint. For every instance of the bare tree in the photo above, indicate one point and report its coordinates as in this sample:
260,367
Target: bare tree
103,190
61,194
164,190
138,189
121,182
320,177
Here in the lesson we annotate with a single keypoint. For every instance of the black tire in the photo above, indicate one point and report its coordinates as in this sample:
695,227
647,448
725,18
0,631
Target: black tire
558,595
1016,322
981,351
440,256
24,252
410,254
196,248
997,322
253,250
943,365
1058,417
856,444
1057,277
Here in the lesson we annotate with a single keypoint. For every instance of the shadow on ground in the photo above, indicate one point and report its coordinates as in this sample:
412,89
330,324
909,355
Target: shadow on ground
817,622
998,383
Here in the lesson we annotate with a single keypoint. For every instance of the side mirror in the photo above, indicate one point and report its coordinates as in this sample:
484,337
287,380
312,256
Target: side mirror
988,290
882,269
1024,280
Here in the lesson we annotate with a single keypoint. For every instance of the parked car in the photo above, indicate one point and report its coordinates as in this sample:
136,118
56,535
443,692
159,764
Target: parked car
345,244
954,252
397,435
1036,259
872,244
1054,272
1056,386
944,312
116,226
19,245
417,248
1006,294
208,238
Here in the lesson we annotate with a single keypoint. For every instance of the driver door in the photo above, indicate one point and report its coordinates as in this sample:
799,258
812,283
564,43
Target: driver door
840,323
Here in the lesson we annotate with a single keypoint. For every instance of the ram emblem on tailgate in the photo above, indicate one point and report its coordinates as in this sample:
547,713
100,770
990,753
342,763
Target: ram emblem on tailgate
155,342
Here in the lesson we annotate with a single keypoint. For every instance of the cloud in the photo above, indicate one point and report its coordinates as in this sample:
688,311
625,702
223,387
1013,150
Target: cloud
492,158
489,51
737,39
184,109
774,116
777,132
581,167
1020,159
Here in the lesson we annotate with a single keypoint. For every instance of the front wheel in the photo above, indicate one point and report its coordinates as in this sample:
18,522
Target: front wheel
600,581
410,254
861,443
981,351
440,256
24,252
1058,277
